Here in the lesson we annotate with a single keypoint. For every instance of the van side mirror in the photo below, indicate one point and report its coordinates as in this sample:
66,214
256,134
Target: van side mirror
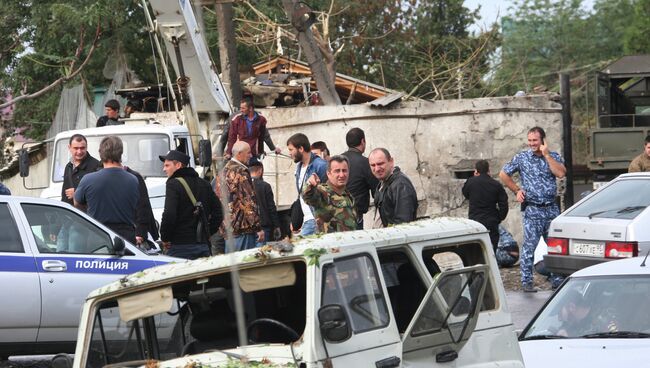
61,360
23,163
118,246
334,324
205,153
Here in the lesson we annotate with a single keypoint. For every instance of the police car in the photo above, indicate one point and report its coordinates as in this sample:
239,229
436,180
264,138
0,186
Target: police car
51,256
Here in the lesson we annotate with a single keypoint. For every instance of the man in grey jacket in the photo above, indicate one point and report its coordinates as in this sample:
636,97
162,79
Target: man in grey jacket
395,199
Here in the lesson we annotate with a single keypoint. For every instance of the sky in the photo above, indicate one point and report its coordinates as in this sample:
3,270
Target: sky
491,9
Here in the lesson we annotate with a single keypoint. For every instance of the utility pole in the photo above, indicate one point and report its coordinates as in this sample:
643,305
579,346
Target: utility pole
302,18
565,95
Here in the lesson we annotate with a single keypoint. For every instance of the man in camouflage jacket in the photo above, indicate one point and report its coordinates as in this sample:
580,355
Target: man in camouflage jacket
245,219
332,202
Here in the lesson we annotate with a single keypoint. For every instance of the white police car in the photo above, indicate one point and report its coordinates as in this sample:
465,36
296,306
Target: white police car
51,256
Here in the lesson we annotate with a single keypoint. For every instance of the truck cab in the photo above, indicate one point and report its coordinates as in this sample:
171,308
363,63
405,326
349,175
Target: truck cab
143,143
424,294
622,117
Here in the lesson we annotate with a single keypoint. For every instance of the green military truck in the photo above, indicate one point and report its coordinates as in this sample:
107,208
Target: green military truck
622,117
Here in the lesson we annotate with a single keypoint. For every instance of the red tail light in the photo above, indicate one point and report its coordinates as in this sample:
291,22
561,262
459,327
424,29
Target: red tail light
621,249
558,246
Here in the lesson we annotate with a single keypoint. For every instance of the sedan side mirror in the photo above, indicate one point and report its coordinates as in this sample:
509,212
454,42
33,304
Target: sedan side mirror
334,324
118,246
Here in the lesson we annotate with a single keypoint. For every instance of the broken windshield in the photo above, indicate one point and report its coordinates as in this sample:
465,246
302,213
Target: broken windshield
141,153
201,318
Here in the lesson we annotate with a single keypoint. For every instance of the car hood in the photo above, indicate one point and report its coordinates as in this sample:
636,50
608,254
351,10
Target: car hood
273,355
592,353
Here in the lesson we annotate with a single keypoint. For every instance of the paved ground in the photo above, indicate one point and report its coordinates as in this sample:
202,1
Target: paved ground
523,306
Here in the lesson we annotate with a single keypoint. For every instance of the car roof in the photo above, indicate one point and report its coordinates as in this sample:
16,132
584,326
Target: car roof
628,266
34,200
633,175
343,242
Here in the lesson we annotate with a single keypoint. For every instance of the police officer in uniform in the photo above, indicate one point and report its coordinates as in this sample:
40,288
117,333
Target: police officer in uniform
538,168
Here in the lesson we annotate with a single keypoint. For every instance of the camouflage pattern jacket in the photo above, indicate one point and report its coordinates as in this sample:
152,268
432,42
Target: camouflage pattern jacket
242,203
333,212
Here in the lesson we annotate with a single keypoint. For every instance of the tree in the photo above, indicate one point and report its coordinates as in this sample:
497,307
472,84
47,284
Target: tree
56,37
636,39
228,51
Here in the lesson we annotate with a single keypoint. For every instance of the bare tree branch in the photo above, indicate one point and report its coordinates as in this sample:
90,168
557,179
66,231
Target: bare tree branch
73,73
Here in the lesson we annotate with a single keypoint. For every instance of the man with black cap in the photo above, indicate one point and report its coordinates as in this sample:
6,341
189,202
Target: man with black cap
192,210
265,202
112,109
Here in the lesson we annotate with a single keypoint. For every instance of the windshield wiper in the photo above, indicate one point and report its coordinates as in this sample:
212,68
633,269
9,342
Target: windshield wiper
543,337
630,209
617,335
596,213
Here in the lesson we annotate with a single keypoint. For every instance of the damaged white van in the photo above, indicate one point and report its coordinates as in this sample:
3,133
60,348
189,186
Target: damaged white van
424,294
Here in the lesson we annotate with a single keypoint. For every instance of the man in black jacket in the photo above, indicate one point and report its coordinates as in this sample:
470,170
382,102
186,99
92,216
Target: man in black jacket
81,163
395,200
488,201
361,182
265,202
183,232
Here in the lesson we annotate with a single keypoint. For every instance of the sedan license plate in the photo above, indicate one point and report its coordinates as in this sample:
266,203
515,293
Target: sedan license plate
583,248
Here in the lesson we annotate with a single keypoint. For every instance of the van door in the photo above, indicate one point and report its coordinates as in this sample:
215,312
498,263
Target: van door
355,284
73,257
446,317
20,288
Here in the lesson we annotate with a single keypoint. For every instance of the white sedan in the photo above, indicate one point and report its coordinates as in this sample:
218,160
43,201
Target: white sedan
598,318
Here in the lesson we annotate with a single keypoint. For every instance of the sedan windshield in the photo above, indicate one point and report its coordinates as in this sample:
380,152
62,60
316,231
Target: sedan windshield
595,307
616,201
141,153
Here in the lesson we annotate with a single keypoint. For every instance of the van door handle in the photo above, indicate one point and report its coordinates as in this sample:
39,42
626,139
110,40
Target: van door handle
388,362
52,265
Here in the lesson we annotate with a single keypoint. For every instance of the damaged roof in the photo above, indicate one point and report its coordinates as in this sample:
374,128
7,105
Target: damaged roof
346,86
438,228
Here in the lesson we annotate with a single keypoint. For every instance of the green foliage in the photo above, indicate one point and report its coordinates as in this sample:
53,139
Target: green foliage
314,256
636,38
50,33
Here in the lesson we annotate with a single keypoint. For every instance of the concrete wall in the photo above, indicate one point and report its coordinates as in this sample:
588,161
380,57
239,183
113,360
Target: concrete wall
429,141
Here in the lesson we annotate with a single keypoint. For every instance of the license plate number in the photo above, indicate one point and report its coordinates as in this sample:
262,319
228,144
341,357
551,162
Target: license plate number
594,249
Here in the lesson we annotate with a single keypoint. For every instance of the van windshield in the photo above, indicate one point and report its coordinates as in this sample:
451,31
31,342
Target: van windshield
197,315
624,199
141,153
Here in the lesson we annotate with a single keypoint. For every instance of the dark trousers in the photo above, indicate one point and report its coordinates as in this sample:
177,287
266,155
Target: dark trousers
494,237
189,251
126,231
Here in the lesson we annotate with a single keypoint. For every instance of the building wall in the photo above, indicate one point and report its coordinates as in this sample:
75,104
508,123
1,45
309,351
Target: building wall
430,141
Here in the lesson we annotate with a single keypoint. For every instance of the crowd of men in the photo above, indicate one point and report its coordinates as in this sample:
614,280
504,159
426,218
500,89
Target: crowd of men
332,192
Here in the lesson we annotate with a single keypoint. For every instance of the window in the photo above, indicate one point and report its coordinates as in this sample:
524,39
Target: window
600,306
615,201
354,284
471,254
141,153
9,237
450,305
404,285
58,230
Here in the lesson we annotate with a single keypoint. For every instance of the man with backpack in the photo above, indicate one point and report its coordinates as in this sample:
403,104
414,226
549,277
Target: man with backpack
192,210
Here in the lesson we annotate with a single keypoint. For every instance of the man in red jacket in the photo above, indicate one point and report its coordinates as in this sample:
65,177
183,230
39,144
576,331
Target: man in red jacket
250,127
